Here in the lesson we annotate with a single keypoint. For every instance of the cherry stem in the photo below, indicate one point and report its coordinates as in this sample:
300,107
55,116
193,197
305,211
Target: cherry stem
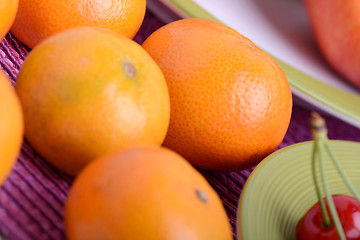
319,132
325,215
329,199
341,171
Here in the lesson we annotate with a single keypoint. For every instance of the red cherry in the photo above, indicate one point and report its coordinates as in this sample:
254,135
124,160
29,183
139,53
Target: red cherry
311,227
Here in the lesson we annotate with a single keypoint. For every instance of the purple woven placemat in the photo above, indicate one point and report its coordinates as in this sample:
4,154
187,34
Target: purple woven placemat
32,198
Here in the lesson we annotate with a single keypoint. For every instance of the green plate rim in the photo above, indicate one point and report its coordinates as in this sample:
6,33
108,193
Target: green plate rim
266,162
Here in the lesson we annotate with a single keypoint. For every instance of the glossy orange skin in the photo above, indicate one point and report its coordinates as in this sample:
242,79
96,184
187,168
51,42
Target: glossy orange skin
336,26
39,19
144,193
88,91
8,10
230,102
11,127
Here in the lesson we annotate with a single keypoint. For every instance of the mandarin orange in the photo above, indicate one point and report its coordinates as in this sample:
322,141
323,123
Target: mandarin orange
230,101
144,193
11,126
88,91
38,19
8,9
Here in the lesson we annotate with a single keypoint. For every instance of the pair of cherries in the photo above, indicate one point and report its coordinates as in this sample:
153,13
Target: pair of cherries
334,216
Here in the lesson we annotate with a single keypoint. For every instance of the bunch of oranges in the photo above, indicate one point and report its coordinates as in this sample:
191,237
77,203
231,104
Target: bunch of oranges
97,105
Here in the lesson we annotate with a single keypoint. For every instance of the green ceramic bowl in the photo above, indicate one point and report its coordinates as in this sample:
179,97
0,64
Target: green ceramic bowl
280,190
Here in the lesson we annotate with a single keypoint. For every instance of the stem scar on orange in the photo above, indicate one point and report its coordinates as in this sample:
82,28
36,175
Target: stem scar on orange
230,101
39,19
88,91
144,193
8,9
11,126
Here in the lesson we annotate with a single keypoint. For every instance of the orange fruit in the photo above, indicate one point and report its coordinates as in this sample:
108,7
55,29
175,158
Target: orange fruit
88,91
8,10
144,193
230,101
11,126
38,19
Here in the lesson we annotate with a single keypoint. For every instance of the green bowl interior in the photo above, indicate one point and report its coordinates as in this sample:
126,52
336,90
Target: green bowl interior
280,190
